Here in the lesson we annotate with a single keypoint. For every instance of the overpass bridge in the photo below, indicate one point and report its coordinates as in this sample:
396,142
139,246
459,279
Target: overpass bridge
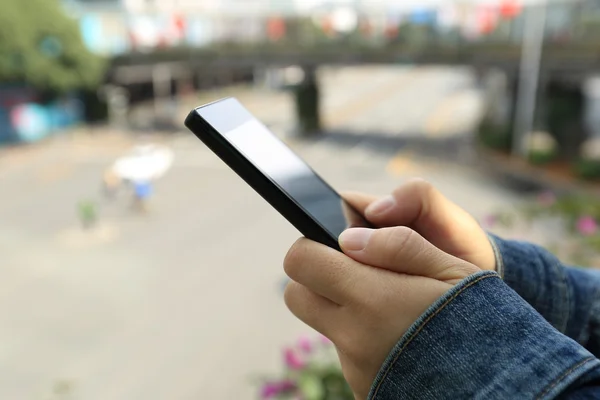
563,63
572,61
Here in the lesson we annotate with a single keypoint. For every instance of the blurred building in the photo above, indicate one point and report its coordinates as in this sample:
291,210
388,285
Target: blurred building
101,23
118,26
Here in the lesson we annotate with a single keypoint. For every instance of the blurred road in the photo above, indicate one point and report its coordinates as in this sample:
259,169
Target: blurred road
185,302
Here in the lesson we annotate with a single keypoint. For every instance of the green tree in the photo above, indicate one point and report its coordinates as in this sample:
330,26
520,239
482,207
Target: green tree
41,46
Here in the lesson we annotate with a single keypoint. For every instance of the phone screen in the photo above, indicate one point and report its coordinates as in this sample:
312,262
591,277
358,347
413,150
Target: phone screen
282,166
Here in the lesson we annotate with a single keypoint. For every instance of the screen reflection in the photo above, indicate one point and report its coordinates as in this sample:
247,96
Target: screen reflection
294,177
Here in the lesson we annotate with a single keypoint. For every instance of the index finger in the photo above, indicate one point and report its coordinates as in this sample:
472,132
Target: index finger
326,271
359,201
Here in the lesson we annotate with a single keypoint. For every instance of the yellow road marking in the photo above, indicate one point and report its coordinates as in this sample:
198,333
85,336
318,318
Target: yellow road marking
362,103
439,118
406,163
401,164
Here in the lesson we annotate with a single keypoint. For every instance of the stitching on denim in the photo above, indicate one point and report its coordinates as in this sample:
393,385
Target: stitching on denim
593,328
563,376
566,312
423,326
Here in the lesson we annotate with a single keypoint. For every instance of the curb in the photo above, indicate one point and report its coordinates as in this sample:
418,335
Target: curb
521,172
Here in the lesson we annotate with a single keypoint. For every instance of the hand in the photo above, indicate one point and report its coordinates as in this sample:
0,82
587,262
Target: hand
418,205
366,299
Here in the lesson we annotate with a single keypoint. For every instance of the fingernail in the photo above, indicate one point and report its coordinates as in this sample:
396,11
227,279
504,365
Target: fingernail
355,239
380,206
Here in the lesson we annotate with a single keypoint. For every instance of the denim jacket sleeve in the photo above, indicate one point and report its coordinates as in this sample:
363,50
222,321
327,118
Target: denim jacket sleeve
569,298
481,340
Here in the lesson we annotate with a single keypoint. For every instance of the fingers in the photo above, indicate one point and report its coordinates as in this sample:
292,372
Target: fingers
403,250
354,205
359,201
312,309
416,204
325,271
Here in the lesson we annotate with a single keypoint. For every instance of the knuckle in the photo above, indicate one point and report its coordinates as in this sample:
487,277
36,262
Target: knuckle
406,245
457,270
467,269
293,258
399,237
336,273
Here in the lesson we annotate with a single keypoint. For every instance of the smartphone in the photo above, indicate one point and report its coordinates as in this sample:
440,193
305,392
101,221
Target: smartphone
273,170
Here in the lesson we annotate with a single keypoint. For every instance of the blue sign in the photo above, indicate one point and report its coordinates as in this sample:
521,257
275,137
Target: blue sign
31,122
422,17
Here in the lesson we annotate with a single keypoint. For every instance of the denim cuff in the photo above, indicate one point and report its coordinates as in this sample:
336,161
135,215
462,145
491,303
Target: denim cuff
537,276
481,340
497,255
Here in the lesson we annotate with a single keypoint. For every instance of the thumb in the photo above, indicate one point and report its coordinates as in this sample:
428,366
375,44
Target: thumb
403,250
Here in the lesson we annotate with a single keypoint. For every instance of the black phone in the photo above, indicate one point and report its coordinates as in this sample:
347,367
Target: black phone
274,171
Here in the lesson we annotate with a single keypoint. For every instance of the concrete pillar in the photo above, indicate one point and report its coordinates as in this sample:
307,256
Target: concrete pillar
592,106
513,96
184,86
495,86
541,112
564,116
161,85
307,103
496,127
117,100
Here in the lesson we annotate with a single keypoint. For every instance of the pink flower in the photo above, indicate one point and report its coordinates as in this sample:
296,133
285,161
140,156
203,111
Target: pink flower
587,225
292,359
546,199
305,344
269,390
274,389
287,385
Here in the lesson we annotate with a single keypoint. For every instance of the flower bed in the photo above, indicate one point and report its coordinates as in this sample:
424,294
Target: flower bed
311,372
570,223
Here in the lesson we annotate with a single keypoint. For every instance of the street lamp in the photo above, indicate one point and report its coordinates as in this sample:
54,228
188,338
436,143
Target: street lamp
529,74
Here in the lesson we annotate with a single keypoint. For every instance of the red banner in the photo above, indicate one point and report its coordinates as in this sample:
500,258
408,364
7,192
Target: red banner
487,19
276,28
509,9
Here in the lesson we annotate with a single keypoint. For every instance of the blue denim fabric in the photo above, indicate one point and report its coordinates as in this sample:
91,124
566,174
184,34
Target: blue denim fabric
482,340
569,298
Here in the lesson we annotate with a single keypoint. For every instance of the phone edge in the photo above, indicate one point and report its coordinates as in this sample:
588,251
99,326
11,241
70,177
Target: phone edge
261,184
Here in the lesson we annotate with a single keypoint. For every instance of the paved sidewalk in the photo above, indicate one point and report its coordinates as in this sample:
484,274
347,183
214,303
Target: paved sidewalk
185,302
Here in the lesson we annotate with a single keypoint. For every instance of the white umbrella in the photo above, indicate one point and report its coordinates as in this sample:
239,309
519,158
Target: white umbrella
144,163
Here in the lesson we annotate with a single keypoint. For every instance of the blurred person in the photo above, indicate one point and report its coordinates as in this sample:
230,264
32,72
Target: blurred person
430,306
111,183
142,191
